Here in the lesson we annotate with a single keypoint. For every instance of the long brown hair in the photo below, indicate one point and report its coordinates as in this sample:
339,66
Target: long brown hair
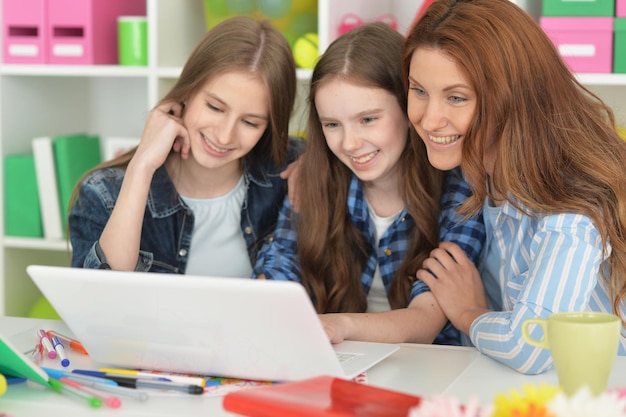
332,251
240,43
556,143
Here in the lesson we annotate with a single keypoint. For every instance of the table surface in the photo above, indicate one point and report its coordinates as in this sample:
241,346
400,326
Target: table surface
415,369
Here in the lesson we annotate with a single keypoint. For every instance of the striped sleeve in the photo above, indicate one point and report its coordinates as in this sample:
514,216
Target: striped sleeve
551,270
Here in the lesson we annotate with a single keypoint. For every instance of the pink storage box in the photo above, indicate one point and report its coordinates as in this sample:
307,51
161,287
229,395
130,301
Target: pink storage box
85,31
584,43
620,8
23,31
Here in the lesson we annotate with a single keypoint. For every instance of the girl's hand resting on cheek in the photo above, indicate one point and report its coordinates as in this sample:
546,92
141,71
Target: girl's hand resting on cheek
456,284
163,132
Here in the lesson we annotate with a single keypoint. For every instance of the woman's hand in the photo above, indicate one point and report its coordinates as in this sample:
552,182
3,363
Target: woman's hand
163,132
291,175
456,284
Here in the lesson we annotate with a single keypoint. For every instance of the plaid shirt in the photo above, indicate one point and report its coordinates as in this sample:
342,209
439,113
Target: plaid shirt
278,257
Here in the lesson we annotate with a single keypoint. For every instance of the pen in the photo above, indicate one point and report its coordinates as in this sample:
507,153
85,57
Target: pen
100,374
147,383
109,400
72,343
43,338
62,388
183,379
58,348
58,374
121,391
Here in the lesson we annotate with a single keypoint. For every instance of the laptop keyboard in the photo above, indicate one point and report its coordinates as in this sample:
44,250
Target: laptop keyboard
345,356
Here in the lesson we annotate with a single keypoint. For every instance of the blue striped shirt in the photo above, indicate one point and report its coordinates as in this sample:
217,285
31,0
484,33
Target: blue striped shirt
548,264
278,257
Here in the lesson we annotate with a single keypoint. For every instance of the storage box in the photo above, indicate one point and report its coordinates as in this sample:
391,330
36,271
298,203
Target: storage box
23,31
620,8
578,8
85,31
584,43
619,51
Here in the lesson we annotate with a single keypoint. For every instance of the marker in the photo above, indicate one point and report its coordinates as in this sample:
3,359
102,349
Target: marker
72,343
147,383
58,374
15,380
62,388
43,338
183,379
3,384
36,353
117,390
109,400
58,348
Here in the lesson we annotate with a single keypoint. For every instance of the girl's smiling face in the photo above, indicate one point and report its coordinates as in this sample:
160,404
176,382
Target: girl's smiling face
227,118
365,127
441,105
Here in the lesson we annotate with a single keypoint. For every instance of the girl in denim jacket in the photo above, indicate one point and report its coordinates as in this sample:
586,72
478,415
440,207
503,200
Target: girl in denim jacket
203,185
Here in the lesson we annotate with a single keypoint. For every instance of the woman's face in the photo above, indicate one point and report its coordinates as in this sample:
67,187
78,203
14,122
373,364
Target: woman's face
441,105
364,127
227,118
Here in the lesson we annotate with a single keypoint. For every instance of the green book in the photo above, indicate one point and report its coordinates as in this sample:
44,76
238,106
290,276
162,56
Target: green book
14,363
22,215
73,156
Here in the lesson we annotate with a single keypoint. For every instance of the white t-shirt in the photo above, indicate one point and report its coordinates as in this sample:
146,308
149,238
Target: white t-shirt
377,300
217,244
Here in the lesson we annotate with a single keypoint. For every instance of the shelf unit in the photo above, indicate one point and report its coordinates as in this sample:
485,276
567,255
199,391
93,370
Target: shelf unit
110,100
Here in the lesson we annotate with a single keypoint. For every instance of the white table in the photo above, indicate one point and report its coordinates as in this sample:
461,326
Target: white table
415,369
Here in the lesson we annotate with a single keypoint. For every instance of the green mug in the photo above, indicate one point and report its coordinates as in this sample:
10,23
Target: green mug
583,347
132,40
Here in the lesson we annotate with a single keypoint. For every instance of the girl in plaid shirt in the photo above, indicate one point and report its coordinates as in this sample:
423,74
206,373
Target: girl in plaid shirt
371,207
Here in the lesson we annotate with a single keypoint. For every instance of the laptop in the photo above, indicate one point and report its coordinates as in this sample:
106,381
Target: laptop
214,326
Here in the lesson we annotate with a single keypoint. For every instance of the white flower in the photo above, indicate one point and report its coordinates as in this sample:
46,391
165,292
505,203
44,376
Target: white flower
585,404
444,406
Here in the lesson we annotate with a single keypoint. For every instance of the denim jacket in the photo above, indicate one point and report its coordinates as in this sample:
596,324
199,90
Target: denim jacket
168,222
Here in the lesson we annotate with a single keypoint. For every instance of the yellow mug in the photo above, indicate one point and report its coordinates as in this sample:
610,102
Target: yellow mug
583,347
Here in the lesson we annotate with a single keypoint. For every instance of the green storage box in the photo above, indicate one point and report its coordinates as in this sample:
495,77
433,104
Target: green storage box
22,215
578,8
619,46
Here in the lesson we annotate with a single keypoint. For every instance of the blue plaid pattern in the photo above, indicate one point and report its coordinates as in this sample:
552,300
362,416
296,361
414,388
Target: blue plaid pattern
278,257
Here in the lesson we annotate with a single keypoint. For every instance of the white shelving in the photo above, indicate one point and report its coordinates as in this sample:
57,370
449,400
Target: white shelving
110,100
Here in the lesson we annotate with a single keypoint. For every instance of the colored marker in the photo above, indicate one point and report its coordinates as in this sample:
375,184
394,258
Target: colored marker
109,400
183,379
15,380
58,348
47,345
72,343
36,353
58,374
117,390
62,388
150,384
3,384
